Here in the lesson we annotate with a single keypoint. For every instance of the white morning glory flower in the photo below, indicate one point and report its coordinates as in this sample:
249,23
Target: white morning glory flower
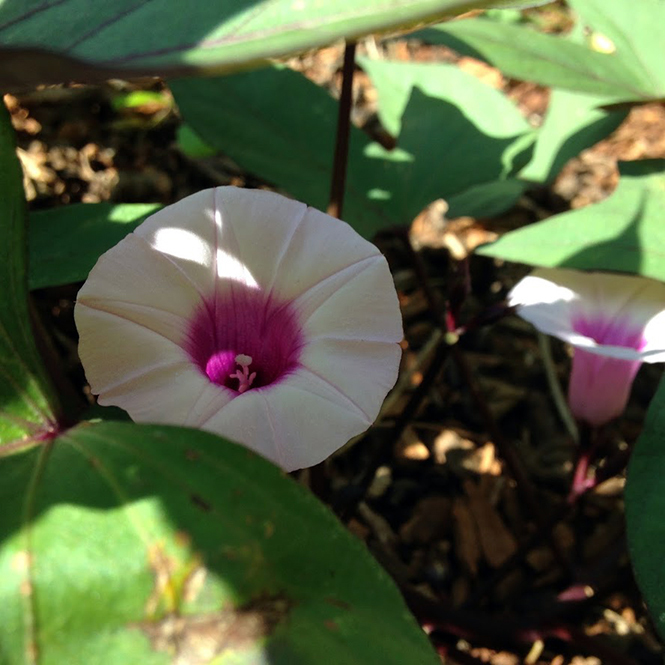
246,314
615,322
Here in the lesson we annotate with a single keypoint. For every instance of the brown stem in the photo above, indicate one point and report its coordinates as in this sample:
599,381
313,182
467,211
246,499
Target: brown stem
589,444
343,130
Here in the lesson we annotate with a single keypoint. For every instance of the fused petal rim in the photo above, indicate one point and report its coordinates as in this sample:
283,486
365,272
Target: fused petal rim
552,299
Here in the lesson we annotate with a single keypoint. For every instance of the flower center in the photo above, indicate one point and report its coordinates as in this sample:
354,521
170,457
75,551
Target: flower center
244,340
610,331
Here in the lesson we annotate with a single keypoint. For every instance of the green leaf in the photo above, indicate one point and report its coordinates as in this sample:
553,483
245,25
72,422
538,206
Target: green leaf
125,543
634,31
574,122
136,98
625,232
280,126
26,401
191,144
487,199
645,506
467,138
490,111
66,242
124,38
526,54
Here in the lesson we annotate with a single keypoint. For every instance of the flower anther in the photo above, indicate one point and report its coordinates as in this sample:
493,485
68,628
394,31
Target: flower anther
246,314
245,379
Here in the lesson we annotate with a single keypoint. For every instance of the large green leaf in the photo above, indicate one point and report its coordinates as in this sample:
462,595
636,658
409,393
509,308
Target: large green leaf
280,126
645,507
468,139
488,109
26,409
128,38
574,121
66,242
125,543
634,30
526,54
625,232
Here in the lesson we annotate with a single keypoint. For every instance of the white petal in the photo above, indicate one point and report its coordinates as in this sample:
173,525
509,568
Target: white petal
550,298
321,246
176,395
247,420
232,233
114,349
257,228
361,306
311,420
187,233
206,402
635,298
138,283
142,372
654,336
362,371
544,303
295,423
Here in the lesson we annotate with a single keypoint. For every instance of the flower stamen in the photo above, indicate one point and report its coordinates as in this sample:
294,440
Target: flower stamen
245,379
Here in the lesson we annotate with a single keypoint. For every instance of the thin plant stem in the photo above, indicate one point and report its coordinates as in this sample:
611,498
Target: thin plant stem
559,398
590,442
69,403
338,184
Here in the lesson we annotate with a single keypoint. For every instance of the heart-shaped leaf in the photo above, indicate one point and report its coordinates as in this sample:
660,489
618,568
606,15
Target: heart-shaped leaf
125,543
468,139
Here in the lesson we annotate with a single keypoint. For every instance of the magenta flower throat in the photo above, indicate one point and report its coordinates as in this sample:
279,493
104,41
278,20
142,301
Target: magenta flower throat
603,329
244,340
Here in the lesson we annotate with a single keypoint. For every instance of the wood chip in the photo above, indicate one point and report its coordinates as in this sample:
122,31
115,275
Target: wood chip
467,540
430,520
496,541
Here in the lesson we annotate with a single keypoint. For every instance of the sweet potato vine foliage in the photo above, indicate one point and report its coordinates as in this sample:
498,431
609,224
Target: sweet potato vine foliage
246,314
